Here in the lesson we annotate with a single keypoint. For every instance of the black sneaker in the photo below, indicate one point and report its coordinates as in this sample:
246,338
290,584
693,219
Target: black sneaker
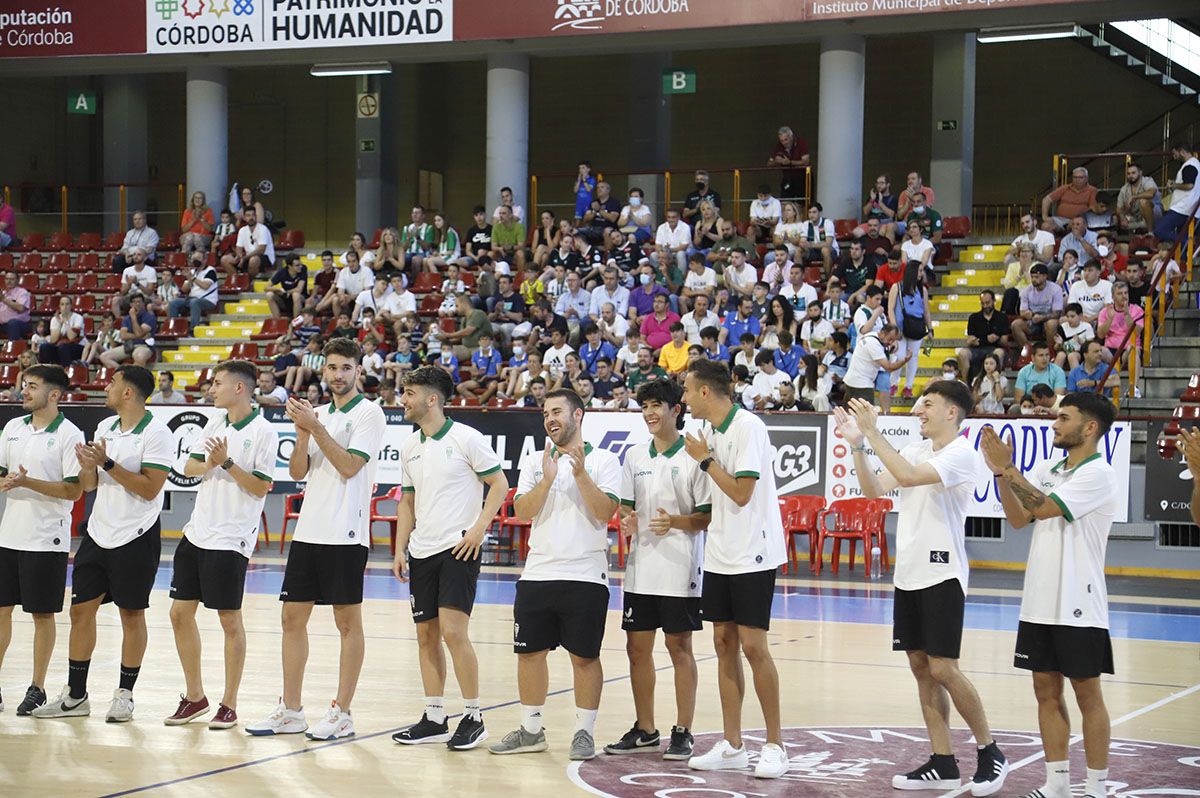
425,731
939,773
34,698
990,772
635,741
681,744
470,733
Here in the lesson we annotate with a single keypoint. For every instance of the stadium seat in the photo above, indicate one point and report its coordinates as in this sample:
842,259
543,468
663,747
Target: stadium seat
74,397
468,279
89,327
29,282
244,350
174,260
112,242
203,375
375,239
741,228
59,262
30,262
46,306
56,283
103,377
86,242
944,253
271,328
291,512
85,304
956,227
11,349
843,229
6,262
234,284
32,242
179,280
173,329
78,264
290,239
427,282
813,275
85,283
59,242
77,373
429,305
1142,244
447,324
9,375
168,241
800,515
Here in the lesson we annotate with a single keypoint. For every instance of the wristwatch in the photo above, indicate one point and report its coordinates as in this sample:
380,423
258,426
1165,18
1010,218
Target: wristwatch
228,464
109,464
705,463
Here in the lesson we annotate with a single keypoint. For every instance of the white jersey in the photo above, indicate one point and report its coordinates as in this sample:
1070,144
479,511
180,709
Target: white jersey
931,527
565,542
1064,580
746,539
336,510
670,564
118,515
33,521
226,517
444,473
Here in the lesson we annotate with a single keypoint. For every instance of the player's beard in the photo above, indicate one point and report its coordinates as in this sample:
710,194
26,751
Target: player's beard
566,434
1068,439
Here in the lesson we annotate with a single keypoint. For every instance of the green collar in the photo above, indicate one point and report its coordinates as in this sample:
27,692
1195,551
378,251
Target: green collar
587,449
141,425
441,433
675,447
724,425
346,408
1063,462
51,427
242,424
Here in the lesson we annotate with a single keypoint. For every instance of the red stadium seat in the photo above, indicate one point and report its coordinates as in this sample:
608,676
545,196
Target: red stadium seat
174,260
944,254
77,373
9,350
86,242
78,264
741,228
168,241
57,283
291,239
111,284
103,377
30,243
1145,244
468,279
844,228
59,242
75,397
375,239
813,275
89,326
429,305
59,262
30,262
173,329
244,350
6,262
85,304
47,306
179,280
112,242
447,324
29,282
204,375
85,283
271,328
234,284
427,282
956,227
9,375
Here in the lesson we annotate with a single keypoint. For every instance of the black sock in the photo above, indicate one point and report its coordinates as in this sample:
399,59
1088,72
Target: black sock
77,675
128,677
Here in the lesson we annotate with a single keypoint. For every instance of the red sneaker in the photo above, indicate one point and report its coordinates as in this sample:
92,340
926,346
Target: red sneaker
188,711
907,393
225,718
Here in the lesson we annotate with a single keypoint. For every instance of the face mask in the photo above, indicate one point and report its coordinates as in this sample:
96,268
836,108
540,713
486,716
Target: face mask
518,351
635,202
920,210
949,375
701,186
645,279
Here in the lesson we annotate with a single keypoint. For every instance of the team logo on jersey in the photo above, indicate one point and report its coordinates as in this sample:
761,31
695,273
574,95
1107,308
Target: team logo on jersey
186,428
941,557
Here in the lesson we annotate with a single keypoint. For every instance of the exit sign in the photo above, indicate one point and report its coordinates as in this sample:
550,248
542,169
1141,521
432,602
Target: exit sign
81,102
948,124
679,81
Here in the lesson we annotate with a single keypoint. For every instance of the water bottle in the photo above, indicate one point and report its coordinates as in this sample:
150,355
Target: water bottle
876,563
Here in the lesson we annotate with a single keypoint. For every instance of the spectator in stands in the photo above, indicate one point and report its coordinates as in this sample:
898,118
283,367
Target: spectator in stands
1115,321
1088,375
908,309
268,394
389,257
401,361
417,239
351,281
602,215
836,310
358,245
646,370
387,394
1112,262
791,154
536,395
656,327
713,348
250,200
196,225
1039,370
797,291
486,380
1017,276
699,281
166,291
672,241
1040,241
372,299
136,334
923,216
1185,194
8,224
763,393
323,284
703,193
706,229
41,335
987,334
137,278
786,354
508,239
741,322
509,316
591,261
699,317
64,344
765,213
605,378
399,309
287,358
610,291
585,189
516,211
14,312
478,239
871,315
166,393
876,247
571,371
1163,260
465,339
1139,202
778,265
106,338
787,231
614,329
881,206
1136,280
623,252
990,386
917,247
812,387
546,239
817,240
344,328
287,291
140,238
255,248
1063,204
201,288
574,304
312,361
815,329
721,254
1091,293
740,276
532,288
743,352
890,272
673,356
1045,400
635,218
914,185
854,273
314,394
225,229
445,248
1040,308
641,298
595,349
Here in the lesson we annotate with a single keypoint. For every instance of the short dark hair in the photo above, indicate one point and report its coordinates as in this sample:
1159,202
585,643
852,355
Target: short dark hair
432,377
712,332
1181,145
1039,346
668,392
989,292
1039,268
1041,391
817,205
763,357
873,290
1091,263
746,337
506,188
478,209
139,377
50,373
1074,306
954,392
244,370
1092,405
584,376
712,373
573,399
343,347
785,338
675,327
841,339
328,253
537,381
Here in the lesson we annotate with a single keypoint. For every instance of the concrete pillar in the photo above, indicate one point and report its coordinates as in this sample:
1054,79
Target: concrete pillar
208,135
649,115
839,155
369,144
508,129
952,150
123,108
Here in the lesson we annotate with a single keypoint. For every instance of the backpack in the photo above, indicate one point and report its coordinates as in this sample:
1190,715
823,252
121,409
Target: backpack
912,315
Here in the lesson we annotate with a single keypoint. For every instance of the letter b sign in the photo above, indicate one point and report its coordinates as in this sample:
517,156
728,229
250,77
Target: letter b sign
679,81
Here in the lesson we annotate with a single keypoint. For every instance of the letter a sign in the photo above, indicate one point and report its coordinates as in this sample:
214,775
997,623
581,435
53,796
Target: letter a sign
679,81
81,102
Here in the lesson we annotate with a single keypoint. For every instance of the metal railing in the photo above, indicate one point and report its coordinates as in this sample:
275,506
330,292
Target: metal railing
1000,220
52,208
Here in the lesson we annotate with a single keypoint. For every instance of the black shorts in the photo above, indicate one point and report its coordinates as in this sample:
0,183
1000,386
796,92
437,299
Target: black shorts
216,577
37,580
744,599
124,575
324,573
929,620
866,394
549,614
441,581
673,614
978,353
1074,651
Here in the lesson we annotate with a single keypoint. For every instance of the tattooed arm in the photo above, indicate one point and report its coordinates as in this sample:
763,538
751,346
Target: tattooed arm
1023,502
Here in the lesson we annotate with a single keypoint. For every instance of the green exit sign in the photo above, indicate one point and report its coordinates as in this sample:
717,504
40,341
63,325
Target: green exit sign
81,102
679,81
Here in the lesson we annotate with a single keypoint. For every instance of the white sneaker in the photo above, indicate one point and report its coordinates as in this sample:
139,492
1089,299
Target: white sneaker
721,756
62,707
121,708
336,724
772,762
281,721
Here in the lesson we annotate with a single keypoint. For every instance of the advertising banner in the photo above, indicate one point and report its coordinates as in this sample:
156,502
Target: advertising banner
30,28
1168,482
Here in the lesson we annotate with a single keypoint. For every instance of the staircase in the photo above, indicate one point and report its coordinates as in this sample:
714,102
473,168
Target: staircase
1155,66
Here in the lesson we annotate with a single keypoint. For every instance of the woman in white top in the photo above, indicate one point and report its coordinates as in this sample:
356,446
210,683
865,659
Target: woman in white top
781,317
990,387
636,219
366,257
918,248
446,245
908,309
812,386
389,257
787,231
65,344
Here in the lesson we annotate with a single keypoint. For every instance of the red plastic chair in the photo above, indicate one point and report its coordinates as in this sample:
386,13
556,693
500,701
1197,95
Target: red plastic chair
614,528
801,515
956,227
843,229
86,242
291,511
59,242
244,350
173,329
30,263
518,530
853,520
392,495
427,282
85,284
291,239
31,242
168,241
113,242
271,329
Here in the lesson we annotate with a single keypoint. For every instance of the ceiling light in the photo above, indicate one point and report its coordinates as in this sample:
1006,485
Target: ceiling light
1026,33
362,68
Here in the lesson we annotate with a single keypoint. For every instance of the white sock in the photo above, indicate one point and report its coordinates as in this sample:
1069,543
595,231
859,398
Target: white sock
435,708
471,708
1058,779
585,720
1096,786
531,718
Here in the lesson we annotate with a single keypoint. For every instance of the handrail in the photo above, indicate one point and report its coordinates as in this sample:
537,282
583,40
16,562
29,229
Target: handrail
64,193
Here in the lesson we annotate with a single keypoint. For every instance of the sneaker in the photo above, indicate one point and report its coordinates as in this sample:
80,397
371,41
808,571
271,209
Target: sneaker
681,746
907,393
521,742
188,711
121,708
225,718
721,756
64,707
933,775
469,734
280,721
772,762
892,390
34,698
635,741
336,724
990,772
583,746
423,731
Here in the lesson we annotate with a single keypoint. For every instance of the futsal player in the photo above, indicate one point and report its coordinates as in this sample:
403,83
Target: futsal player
126,464
440,527
235,460
335,451
665,508
937,477
41,482
569,490
744,547
1063,630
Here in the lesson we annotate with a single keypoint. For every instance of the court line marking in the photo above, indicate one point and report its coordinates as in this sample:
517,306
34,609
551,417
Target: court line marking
1029,760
